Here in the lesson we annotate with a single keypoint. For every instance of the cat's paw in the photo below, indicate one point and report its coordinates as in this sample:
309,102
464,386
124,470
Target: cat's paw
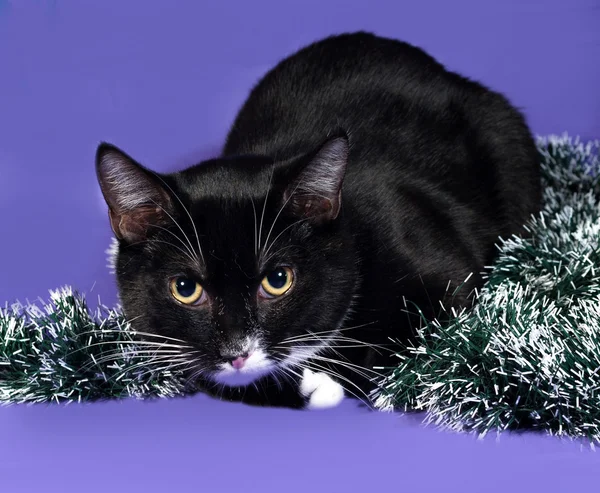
321,390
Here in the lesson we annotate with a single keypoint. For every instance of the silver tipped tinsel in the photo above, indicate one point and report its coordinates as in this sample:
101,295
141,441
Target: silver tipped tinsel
62,351
528,354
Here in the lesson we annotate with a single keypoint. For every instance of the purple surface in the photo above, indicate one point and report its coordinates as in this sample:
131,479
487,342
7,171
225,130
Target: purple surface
163,80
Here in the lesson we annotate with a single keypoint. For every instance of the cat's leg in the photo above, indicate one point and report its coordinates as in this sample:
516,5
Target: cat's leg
266,392
315,390
320,390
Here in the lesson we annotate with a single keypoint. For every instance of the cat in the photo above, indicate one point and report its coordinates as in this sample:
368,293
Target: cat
362,187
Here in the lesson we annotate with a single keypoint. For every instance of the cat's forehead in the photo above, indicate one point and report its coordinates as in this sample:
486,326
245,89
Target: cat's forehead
225,233
232,205
226,179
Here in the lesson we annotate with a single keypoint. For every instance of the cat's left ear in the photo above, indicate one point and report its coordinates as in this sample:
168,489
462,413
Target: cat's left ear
135,197
316,189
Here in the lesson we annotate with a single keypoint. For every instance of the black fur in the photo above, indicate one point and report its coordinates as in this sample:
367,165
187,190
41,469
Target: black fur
434,167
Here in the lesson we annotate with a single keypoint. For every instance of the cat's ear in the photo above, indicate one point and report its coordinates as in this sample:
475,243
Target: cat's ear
316,190
136,198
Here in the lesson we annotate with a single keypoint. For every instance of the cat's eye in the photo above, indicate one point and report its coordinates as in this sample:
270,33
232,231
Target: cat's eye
277,282
187,291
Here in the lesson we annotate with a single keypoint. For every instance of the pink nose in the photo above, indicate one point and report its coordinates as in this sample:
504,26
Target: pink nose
239,362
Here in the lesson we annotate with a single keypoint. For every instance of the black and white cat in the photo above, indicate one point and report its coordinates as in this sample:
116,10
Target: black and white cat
360,180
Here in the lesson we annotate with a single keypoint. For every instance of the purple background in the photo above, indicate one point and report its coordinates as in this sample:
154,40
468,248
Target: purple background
163,79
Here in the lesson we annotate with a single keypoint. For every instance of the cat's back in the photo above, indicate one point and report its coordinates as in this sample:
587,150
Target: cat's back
354,62
351,81
415,129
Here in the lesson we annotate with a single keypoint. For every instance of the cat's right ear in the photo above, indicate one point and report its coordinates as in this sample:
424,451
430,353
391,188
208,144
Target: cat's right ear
135,196
315,190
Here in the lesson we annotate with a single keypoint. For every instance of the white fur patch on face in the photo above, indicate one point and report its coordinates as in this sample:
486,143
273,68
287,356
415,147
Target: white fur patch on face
257,365
322,391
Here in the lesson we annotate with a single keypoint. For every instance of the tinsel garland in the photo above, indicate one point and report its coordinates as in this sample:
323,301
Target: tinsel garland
526,356
63,351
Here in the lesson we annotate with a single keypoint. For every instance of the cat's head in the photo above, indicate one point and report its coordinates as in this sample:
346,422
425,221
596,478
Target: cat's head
244,265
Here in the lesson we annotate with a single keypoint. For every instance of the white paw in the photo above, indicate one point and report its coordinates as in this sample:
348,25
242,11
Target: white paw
322,391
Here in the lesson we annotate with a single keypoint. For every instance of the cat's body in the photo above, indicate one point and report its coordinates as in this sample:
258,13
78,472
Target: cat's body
360,169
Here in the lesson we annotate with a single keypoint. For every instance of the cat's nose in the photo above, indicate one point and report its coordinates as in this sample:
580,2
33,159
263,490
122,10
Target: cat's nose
239,362
236,360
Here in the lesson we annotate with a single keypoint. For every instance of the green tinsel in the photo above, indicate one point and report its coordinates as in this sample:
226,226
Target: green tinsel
63,351
528,354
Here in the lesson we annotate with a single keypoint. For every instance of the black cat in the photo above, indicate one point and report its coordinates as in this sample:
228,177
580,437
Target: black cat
360,180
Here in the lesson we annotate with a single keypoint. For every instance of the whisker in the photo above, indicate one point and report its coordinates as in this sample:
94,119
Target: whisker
335,375
177,224
255,227
133,343
194,375
101,329
344,329
331,338
330,346
278,236
139,352
200,369
117,356
137,342
187,246
322,369
265,261
185,252
262,216
351,342
160,369
281,209
360,370
188,213
147,361
326,340
168,338
345,364
151,362
287,372
358,396
274,374
134,352
132,332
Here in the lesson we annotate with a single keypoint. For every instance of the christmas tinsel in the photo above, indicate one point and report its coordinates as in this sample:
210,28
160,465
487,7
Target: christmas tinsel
65,352
526,356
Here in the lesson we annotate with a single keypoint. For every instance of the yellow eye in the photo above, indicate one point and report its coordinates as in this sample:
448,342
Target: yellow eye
277,282
186,291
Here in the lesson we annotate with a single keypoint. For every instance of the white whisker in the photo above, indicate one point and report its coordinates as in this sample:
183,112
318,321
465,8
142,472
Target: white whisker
359,370
188,214
344,329
170,365
147,361
255,227
277,237
335,375
186,252
132,332
180,228
320,368
262,216
281,209
134,343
